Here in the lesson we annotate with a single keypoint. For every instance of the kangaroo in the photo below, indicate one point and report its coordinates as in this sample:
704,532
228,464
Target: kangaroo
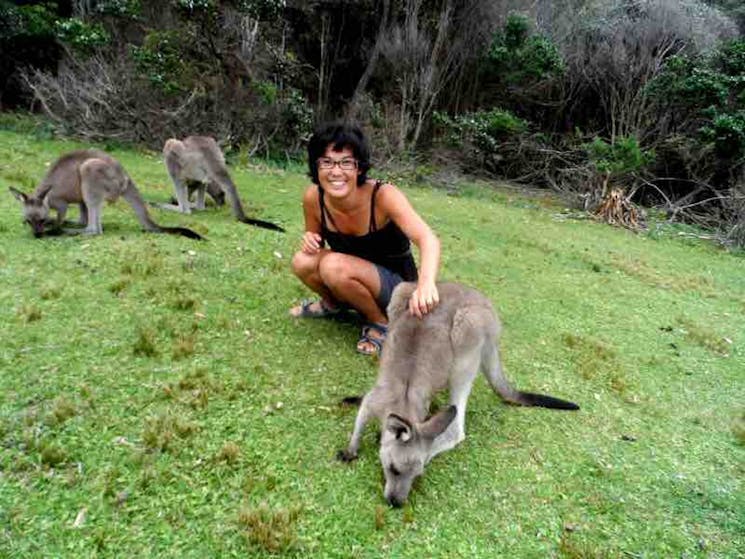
197,162
86,177
215,192
420,358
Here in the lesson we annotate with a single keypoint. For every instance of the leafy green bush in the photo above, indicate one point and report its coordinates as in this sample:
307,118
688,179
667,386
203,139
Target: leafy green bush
119,8
688,84
267,91
730,57
518,57
160,60
297,117
192,6
710,90
262,9
35,21
727,132
621,157
82,36
484,129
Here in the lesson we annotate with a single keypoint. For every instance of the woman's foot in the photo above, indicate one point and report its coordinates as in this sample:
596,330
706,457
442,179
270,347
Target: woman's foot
372,338
315,309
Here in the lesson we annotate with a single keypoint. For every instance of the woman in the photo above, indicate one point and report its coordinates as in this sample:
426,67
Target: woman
368,226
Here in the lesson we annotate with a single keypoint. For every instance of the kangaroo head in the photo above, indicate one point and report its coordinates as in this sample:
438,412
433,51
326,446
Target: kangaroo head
35,211
405,450
216,193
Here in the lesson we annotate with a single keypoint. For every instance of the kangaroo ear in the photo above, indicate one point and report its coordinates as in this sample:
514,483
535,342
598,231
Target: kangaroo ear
399,426
437,424
20,196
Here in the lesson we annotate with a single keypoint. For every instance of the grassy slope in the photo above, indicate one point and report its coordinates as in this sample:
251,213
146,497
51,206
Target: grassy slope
181,408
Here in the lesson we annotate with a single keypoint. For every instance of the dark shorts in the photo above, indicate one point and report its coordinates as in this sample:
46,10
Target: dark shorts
388,281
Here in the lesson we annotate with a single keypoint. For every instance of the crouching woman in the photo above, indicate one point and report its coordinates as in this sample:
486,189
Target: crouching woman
358,232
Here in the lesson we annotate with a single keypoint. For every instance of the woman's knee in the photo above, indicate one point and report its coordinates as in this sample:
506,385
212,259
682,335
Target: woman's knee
335,268
304,264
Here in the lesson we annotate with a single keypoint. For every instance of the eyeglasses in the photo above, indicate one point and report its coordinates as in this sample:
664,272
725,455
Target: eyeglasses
346,164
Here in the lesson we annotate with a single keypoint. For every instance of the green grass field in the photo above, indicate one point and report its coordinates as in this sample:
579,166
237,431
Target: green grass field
156,399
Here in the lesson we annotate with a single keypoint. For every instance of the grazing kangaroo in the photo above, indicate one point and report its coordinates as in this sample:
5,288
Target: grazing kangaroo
215,192
197,162
420,358
86,177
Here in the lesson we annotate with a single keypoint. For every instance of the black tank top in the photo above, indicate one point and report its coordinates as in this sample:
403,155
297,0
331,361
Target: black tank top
389,247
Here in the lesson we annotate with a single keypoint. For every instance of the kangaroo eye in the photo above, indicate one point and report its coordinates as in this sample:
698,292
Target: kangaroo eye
394,471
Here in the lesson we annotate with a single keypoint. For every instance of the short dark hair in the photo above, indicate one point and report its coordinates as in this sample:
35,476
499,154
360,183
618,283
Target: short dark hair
339,134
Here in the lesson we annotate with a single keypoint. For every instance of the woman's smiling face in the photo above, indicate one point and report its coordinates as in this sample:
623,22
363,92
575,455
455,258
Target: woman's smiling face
337,171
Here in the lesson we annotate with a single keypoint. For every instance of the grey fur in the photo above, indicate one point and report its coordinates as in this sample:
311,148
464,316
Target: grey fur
421,357
88,178
196,162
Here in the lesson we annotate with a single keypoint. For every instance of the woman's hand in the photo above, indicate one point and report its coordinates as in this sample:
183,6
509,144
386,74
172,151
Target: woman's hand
424,299
311,243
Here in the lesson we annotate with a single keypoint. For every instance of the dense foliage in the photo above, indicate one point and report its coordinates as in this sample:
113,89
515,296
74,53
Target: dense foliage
647,94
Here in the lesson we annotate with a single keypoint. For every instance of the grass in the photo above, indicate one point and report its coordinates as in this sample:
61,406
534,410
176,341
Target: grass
155,399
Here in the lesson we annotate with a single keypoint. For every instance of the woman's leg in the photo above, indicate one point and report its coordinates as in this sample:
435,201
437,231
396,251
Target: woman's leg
342,278
353,281
305,267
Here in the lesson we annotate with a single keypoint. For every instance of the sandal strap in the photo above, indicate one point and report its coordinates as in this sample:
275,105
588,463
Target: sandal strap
325,310
380,328
376,342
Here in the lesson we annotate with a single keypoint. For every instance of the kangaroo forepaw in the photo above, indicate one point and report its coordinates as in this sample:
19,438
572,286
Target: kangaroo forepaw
346,456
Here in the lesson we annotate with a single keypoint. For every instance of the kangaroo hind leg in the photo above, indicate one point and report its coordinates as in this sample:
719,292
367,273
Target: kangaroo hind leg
97,183
173,152
462,376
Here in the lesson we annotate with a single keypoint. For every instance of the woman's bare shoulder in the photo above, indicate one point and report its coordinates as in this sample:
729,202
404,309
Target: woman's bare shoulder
389,193
310,194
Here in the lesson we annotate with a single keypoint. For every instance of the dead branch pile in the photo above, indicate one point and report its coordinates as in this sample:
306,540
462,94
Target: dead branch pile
617,209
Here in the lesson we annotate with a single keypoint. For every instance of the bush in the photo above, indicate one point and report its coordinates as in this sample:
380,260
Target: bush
516,57
705,97
161,61
81,36
727,132
119,8
484,129
189,7
621,157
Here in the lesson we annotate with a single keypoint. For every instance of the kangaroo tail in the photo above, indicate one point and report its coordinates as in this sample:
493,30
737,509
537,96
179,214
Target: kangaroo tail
184,231
133,197
544,401
260,223
351,401
492,368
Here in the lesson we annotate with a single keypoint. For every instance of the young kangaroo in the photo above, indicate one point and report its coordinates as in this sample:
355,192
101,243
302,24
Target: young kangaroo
421,357
86,177
197,162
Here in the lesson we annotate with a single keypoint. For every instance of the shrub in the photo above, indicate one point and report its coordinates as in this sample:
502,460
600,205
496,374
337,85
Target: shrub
727,132
517,57
119,8
687,84
160,60
623,156
705,97
484,129
262,9
81,36
189,7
